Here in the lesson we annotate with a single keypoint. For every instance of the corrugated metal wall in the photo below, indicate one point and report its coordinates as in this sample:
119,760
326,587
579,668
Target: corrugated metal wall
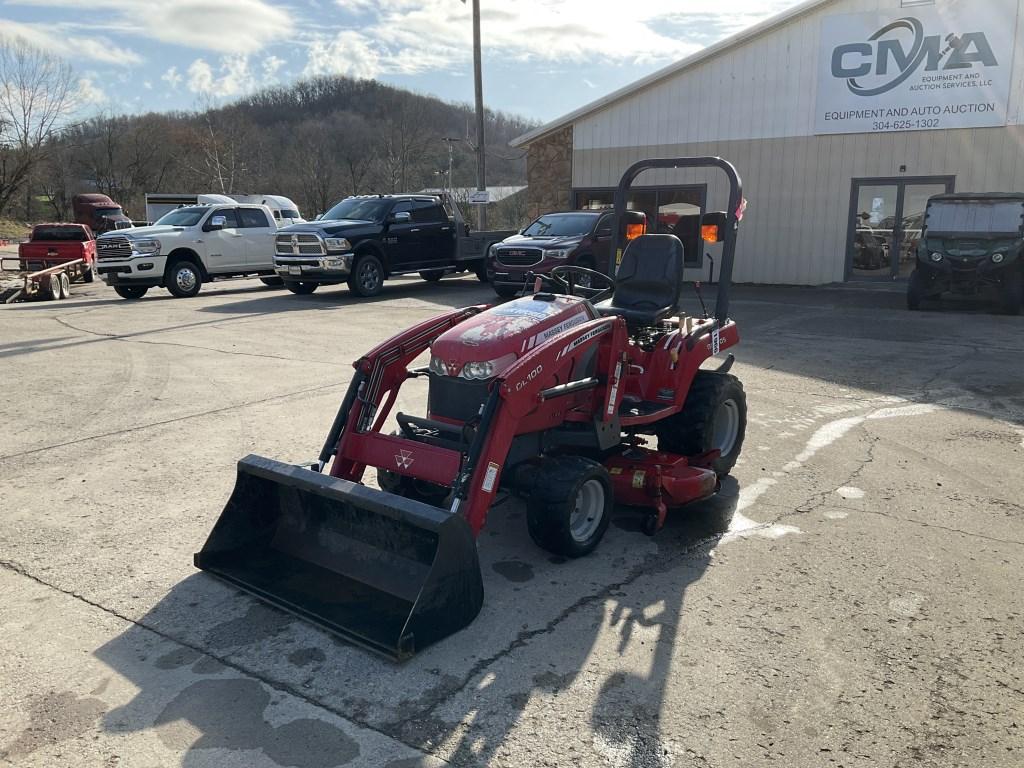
754,105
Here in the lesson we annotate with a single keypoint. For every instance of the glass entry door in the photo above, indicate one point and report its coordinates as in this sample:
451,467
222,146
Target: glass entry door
886,219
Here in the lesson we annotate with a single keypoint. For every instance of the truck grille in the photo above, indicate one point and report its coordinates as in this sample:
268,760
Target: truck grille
518,257
299,245
109,248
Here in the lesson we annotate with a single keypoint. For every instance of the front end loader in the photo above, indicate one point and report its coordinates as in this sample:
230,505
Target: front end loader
573,402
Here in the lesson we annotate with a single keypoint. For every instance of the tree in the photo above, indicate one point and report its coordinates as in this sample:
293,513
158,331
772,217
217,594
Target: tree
35,100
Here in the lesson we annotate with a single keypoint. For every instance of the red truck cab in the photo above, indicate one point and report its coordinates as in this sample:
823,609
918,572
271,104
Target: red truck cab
59,243
99,213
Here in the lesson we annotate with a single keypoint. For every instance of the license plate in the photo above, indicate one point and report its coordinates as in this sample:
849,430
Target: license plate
294,270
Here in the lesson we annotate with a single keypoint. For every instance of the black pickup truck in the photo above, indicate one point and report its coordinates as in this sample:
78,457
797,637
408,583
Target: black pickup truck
366,239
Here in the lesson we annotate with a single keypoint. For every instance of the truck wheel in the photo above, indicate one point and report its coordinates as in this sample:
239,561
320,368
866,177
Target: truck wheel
484,271
915,290
272,282
53,288
301,289
1011,294
184,279
65,285
131,291
89,275
432,275
367,276
714,416
506,291
570,505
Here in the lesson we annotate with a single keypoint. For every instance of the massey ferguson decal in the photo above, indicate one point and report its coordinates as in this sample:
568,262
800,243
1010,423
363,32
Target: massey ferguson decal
404,459
932,68
578,319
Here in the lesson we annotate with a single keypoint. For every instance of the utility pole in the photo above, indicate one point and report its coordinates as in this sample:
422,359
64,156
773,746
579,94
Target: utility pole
449,140
481,176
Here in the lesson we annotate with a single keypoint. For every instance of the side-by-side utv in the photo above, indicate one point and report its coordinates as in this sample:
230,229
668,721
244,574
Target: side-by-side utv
574,402
972,245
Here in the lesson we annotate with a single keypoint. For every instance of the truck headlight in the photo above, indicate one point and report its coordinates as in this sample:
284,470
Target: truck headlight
997,258
337,244
556,253
936,257
145,247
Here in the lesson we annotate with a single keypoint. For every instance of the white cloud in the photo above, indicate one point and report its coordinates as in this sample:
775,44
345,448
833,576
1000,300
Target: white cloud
414,36
88,95
224,26
172,77
232,76
348,53
200,77
271,66
58,40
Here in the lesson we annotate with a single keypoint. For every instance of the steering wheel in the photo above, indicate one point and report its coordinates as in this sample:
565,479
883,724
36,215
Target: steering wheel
565,274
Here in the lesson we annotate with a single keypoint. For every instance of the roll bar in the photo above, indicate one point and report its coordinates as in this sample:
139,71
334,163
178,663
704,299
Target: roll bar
733,215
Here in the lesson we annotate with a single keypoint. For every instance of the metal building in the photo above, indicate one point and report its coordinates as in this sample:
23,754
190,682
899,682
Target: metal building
842,116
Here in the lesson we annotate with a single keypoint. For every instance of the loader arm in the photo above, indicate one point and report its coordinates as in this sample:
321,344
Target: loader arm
379,374
523,388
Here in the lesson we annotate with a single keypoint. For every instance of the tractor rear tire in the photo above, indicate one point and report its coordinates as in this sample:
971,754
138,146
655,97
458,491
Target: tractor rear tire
713,416
131,291
570,505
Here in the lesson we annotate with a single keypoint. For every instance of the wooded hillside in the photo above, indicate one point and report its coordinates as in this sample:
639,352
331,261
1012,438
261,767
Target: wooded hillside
314,141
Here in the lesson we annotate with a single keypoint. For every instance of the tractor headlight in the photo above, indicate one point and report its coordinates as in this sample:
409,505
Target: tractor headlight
437,366
145,247
482,370
556,253
487,368
936,257
337,244
997,258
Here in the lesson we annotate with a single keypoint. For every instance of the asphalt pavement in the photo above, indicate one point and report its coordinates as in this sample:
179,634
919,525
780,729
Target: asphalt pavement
852,597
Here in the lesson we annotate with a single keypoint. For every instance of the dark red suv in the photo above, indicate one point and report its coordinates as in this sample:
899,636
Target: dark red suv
577,238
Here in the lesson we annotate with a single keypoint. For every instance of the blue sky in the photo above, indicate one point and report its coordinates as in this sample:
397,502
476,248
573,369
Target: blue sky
542,58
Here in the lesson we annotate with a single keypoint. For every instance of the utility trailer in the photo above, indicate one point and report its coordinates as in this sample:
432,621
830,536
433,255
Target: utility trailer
52,283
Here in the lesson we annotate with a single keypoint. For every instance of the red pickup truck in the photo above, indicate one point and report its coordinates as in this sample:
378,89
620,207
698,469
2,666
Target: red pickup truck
53,244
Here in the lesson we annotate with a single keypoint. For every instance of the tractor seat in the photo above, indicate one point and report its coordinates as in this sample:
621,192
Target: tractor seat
648,281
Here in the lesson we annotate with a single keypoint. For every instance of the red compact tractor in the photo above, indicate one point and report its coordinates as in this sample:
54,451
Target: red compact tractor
573,402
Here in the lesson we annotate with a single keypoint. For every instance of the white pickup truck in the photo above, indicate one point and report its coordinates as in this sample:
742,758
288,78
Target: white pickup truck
188,247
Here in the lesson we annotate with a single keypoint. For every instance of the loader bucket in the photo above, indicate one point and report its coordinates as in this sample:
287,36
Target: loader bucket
388,573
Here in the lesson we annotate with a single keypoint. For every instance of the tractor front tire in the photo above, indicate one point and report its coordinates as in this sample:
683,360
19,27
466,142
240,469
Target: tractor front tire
570,505
714,416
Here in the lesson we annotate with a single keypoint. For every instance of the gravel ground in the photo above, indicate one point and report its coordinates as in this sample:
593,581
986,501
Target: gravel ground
851,598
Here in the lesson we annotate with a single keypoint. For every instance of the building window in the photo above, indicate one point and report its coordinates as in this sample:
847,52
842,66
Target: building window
670,210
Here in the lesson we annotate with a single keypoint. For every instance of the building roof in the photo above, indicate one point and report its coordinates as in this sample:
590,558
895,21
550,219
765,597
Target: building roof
682,65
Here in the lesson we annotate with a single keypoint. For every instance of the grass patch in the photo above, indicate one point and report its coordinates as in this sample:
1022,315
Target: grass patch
13,230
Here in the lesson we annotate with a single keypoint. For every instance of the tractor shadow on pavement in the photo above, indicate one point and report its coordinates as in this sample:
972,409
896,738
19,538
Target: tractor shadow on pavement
217,670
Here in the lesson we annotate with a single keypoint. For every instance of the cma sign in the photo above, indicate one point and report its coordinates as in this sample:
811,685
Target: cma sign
887,58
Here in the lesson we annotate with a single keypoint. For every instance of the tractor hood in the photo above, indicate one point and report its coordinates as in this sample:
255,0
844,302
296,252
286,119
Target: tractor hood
486,345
